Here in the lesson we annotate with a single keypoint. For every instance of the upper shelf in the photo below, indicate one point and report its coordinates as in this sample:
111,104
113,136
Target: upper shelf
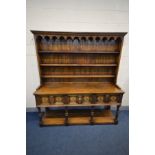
77,76
61,51
79,43
106,65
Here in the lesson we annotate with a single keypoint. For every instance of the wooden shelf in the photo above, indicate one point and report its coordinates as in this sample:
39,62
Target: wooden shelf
106,65
79,117
104,117
77,76
104,52
53,121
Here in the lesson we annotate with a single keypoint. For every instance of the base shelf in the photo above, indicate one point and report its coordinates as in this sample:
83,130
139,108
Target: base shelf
77,117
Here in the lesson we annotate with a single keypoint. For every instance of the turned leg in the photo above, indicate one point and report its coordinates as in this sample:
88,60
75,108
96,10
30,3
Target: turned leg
92,115
40,115
66,115
116,115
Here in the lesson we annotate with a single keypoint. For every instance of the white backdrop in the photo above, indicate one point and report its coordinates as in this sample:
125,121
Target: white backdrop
75,15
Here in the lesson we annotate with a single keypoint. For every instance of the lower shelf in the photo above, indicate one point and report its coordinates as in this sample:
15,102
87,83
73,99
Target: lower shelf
77,117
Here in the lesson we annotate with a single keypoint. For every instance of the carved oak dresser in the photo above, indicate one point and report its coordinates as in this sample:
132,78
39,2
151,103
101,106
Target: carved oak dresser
78,77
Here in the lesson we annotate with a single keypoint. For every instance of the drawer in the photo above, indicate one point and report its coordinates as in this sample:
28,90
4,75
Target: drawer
49,99
80,99
42,100
109,98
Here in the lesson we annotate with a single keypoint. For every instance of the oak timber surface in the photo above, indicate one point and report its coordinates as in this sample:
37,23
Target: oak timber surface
78,88
78,69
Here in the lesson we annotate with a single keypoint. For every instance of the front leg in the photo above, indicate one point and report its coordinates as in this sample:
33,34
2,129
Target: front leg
116,115
40,116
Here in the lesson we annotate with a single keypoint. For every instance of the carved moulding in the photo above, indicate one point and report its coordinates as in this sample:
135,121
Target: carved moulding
113,98
44,100
86,100
73,100
58,100
100,99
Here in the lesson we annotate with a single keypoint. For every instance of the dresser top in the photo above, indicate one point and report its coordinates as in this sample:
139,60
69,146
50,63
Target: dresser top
78,88
79,33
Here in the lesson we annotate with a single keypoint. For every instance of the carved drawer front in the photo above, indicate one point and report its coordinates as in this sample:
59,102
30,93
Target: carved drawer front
73,100
100,99
108,98
44,100
58,100
86,99
79,99
113,98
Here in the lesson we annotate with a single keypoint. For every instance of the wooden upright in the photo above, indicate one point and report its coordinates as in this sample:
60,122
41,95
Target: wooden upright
78,77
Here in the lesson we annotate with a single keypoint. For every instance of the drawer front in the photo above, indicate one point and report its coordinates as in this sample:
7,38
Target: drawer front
109,98
79,99
41,100
49,99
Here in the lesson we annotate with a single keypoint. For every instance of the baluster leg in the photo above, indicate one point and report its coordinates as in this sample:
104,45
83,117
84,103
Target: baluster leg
40,115
116,115
66,115
92,115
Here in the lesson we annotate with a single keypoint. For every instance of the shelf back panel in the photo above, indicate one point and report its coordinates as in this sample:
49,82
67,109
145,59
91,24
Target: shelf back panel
89,58
51,80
